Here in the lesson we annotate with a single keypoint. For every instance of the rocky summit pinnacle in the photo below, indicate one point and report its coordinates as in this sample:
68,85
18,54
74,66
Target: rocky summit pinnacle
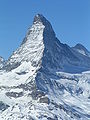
38,38
39,18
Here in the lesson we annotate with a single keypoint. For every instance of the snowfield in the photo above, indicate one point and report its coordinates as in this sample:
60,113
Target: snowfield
69,98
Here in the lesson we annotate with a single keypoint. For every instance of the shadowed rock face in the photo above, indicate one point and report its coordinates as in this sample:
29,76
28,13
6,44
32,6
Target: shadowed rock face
14,94
44,100
80,46
81,49
3,106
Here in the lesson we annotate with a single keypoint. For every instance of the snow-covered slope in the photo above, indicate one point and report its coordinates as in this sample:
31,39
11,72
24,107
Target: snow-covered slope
39,80
68,97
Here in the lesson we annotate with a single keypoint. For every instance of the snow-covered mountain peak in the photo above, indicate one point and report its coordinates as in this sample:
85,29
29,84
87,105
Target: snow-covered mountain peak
40,47
40,36
40,19
2,61
79,46
39,83
40,23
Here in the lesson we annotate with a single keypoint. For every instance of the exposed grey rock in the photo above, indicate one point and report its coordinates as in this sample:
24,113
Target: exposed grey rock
9,67
2,62
3,106
81,49
44,100
14,94
21,73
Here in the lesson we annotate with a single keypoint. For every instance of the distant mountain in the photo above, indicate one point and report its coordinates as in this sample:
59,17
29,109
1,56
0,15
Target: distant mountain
82,50
2,62
45,79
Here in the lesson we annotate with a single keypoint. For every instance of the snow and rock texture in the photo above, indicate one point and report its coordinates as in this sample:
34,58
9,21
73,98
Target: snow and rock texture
81,49
2,62
45,79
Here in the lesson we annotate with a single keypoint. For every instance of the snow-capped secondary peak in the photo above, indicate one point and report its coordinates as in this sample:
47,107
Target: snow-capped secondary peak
2,61
81,49
79,46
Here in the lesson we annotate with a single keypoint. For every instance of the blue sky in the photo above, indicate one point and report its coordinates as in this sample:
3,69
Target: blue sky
70,20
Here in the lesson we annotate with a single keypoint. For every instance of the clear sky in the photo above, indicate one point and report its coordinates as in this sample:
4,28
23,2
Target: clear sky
69,18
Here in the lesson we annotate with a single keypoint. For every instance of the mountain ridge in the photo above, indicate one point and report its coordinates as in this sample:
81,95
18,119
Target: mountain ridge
81,49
